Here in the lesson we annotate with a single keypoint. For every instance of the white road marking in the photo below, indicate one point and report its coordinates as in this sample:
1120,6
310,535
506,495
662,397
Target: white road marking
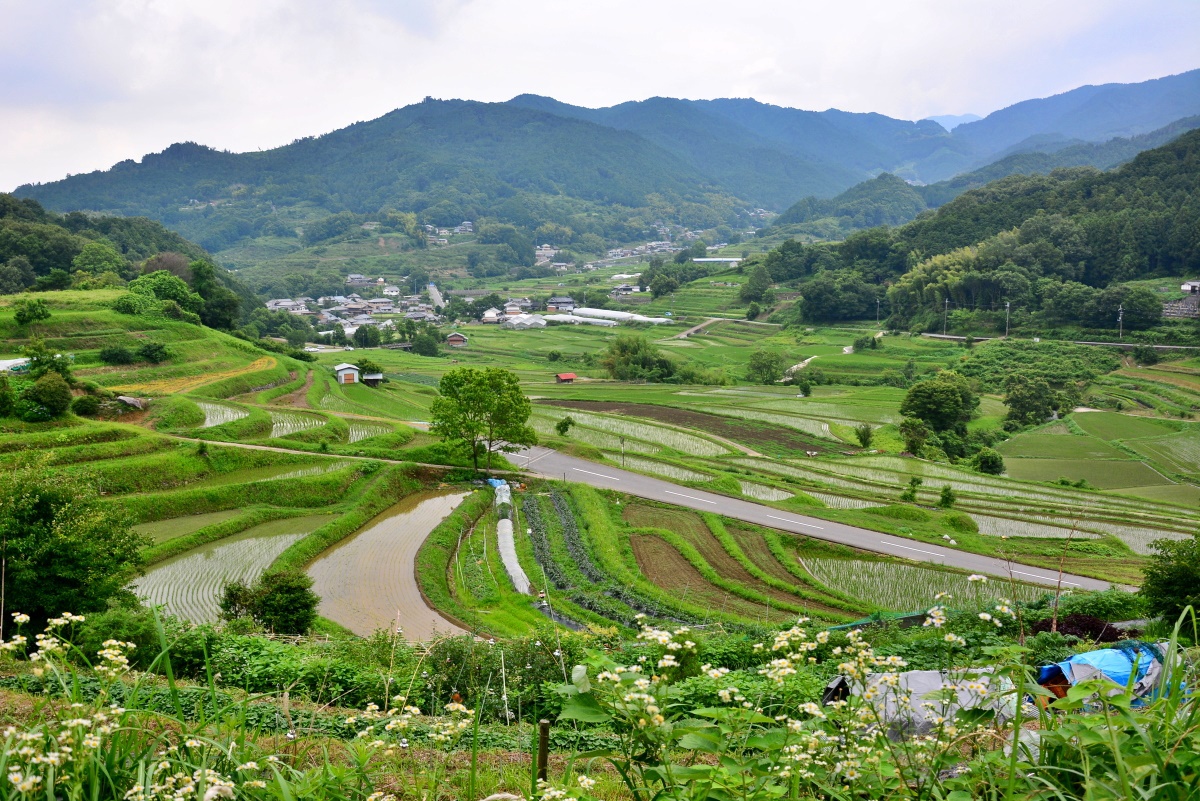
1051,579
590,473
796,522
689,497
905,547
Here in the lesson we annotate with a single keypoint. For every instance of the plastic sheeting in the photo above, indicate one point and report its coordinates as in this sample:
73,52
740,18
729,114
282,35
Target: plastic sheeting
508,555
909,702
1114,664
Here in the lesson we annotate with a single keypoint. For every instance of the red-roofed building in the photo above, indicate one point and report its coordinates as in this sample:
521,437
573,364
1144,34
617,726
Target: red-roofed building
564,378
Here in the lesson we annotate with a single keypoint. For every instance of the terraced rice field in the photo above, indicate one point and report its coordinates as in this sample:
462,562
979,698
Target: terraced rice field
367,581
190,585
271,473
1179,452
216,414
817,428
361,430
658,468
168,386
840,501
1006,527
284,423
900,587
1059,444
685,443
1102,473
590,436
762,492
163,530
1114,426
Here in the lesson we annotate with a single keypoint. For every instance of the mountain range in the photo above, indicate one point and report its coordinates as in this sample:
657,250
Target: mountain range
614,172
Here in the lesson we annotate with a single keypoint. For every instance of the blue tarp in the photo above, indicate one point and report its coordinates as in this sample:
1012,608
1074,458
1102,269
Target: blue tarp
496,482
1114,664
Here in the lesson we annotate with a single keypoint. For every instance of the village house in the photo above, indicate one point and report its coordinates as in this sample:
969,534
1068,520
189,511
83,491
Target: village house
391,291
560,303
456,340
346,373
372,379
492,315
564,378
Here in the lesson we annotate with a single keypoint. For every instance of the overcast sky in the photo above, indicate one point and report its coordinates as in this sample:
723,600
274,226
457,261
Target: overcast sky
87,83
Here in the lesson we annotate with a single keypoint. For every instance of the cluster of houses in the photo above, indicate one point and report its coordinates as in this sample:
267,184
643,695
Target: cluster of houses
353,310
441,236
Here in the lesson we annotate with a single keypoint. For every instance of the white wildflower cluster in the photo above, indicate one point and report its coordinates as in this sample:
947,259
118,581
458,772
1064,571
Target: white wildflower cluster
57,745
449,730
861,659
676,643
795,645
936,617
202,783
113,658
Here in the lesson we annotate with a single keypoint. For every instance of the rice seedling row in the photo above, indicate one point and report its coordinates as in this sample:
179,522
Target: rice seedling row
684,443
284,423
360,431
762,492
658,468
840,501
904,588
216,414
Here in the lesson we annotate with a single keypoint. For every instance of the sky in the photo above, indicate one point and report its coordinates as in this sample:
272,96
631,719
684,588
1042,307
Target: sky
87,83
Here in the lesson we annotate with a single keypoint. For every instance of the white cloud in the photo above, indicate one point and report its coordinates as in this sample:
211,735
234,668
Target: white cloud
86,84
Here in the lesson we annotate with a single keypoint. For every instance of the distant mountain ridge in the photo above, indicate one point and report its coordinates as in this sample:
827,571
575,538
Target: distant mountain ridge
608,173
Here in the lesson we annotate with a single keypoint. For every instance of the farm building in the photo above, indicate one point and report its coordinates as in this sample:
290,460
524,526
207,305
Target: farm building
372,379
560,303
492,316
346,373
573,320
564,378
456,340
525,321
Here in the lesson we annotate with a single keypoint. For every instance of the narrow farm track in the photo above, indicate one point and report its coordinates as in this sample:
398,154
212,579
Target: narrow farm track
552,464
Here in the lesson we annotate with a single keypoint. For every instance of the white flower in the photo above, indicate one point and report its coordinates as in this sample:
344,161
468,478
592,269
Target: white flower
586,782
976,577
20,618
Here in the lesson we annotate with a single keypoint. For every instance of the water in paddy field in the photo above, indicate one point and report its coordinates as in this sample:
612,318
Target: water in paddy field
189,585
368,581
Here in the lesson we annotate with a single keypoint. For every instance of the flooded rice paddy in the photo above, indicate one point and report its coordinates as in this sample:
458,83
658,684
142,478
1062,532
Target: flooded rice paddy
190,585
169,529
368,581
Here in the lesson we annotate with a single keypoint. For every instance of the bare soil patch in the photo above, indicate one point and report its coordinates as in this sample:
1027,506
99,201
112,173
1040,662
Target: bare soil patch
750,432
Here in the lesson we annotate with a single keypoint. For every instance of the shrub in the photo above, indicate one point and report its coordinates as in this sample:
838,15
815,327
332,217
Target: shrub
864,434
154,352
86,405
8,398
280,602
989,461
961,523
947,497
50,392
116,354
897,512
563,426
134,303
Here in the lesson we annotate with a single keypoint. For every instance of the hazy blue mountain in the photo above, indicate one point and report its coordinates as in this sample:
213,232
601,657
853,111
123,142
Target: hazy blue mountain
1090,113
952,121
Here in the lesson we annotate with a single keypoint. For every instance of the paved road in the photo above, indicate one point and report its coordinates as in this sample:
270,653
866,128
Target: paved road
435,297
552,464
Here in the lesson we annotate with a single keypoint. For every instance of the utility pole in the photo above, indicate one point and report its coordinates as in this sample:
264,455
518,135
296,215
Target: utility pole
1121,321
876,312
1007,303
945,316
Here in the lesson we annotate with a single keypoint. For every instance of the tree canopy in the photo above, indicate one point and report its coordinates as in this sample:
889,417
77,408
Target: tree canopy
944,402
482,410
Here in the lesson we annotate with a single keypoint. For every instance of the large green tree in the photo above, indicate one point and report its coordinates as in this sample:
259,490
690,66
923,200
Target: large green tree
61,550
1030,400
944,402
1171,581
483,410
765,367
757,284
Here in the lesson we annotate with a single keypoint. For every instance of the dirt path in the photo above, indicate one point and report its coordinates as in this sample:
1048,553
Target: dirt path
299,398
696,329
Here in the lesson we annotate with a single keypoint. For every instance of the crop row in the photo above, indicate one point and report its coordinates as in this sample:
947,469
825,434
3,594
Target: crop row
889,585
670,437
656,467
216,414
284,423
572,538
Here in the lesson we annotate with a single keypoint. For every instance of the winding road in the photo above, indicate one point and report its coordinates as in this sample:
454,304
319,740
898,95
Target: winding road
552,464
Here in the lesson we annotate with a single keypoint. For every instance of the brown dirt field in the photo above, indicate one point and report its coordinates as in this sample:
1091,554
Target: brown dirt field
668,569
299,398
749,432
692,528
755,548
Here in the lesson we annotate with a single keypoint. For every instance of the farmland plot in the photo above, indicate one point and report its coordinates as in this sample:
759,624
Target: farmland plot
368,582
590,436
841,501
904,588
169,529
1008,527
360,430
685,443
190,585
818,428
762,492
284,423
216,414
658,468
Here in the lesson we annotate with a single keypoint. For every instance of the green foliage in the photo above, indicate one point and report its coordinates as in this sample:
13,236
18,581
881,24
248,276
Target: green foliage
116,354
281,602
910,492
563,426
960,522
164,286
153,352
765,367
1060,364
757,284
63,548
947,497
864,433
425,344
1172,578
944,402
30,310
482,410
8,397
51,394
86,405
134,303
988,461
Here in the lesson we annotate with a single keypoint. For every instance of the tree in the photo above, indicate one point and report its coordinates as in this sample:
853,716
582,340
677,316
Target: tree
753,310
164,286
631,357
482,409
765,367
425,344
989,461
563,426
97,258
30,310
8,398
296,337
1171,581
910,492
16,276
663,284
366,336
947,497
943,402
43,360
864,434
221,304
153,352
914,433
60,548
756,285
1030,400
282,602
51,392
368,366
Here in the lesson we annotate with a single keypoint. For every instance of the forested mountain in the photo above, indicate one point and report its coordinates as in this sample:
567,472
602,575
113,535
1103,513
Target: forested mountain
41,250
888,200
1056,247
608,175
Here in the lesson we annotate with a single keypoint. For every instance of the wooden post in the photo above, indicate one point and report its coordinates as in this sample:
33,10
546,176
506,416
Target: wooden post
543,755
